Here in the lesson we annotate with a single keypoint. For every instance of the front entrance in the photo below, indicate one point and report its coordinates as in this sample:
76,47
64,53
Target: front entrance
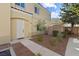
20,29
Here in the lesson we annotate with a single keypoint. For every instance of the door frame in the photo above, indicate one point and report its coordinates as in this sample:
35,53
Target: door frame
16,18
20,34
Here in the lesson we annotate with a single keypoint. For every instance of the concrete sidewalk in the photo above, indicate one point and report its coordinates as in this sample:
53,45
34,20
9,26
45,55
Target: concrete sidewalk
38,49
72,47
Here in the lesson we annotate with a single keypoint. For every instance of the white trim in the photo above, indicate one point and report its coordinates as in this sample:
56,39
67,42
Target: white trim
4,49
20,7
12,52
20,28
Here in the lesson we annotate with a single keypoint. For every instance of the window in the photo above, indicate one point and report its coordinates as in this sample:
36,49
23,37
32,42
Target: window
17,4
21,5
36,10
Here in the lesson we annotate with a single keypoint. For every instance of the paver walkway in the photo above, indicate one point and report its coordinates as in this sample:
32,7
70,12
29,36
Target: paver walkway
38,49
72,47
21,50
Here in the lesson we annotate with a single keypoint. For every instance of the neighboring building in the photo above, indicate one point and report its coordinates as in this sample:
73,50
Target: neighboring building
56,24
19,20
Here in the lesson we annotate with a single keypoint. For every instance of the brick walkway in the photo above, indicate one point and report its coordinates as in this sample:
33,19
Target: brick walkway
21,50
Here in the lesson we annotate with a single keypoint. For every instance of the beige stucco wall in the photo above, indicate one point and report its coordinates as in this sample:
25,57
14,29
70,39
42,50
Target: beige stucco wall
27,18
13,29
17,15
9,17
30,20
43,16
4,23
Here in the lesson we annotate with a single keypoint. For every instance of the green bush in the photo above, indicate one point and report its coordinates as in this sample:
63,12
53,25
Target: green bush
53,41
60,34
39,38
40,27
55,33
64,34
56,39
60,38
38,54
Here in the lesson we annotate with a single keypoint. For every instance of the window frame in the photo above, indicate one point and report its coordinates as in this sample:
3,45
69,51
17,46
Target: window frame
21,5
36,10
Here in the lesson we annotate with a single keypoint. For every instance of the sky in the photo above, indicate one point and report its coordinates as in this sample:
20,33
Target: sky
53,8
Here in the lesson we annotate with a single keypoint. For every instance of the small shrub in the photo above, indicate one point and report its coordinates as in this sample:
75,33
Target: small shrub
60,34
59,38
55,33
34,54
38,54
64,34
39,38
53,41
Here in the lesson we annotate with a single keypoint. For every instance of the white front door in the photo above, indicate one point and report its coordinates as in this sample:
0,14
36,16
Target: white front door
20,29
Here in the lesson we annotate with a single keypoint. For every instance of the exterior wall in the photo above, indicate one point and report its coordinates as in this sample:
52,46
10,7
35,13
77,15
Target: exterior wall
31,20
10,13
28,7
17,15
43,13
43,16
4,23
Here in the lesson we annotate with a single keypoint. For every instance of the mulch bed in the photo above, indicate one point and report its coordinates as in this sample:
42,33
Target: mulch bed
21,50
59,48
